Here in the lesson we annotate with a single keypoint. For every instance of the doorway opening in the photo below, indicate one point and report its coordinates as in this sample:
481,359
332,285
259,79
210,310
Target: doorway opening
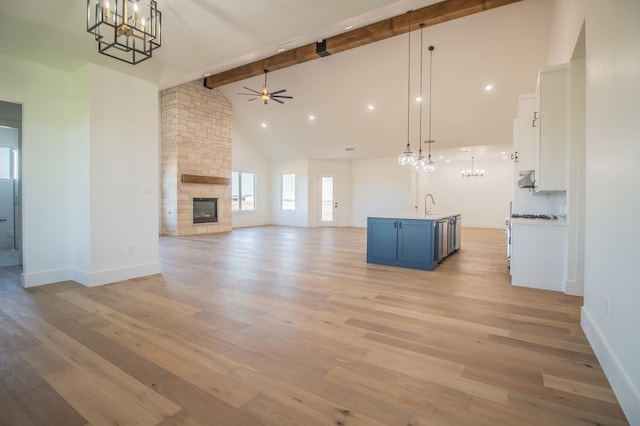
10,184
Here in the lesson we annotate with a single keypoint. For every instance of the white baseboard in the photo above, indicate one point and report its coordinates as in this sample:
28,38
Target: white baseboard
89,279
36,279
114,275
628,396
572,288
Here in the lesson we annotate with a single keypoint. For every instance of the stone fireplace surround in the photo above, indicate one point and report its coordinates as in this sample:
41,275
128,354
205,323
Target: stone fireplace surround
196,141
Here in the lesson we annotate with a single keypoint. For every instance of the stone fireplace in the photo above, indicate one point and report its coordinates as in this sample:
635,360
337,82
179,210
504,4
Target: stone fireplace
196,158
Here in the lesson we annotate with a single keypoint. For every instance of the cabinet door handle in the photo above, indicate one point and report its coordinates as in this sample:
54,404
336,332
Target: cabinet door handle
399,225
395,224
535,118
514,157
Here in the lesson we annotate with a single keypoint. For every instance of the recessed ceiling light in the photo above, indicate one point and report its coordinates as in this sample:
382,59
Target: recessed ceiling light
442,156
448,161
312,117
503,153
488,87
418,98
207,74
370,107
348,27
504,157
263,124
282,49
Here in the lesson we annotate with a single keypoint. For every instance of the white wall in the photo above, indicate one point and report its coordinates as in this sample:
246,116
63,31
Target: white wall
483,201
247,158
612,271
124,187
81,176
299,217
46,144
380,187
340,169
567,17
610,313
90,176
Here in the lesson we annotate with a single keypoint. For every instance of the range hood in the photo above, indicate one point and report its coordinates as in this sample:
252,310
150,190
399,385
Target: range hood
527,180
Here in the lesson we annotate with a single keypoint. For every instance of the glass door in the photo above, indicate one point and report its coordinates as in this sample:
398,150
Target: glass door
328,203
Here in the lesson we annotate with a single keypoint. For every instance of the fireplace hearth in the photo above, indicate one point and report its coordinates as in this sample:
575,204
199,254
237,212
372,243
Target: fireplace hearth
205,210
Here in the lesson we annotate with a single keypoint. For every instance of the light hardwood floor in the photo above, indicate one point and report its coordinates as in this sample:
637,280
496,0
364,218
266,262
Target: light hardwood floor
290,326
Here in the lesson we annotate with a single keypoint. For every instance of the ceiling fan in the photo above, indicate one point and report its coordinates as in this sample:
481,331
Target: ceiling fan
265,95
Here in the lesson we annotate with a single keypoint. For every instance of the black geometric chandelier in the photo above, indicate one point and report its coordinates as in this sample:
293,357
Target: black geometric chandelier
124,29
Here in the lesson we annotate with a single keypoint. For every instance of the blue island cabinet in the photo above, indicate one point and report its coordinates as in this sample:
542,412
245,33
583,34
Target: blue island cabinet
409,243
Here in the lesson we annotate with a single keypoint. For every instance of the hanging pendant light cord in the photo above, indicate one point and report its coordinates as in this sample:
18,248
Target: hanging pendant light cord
420,157
430,74
409,86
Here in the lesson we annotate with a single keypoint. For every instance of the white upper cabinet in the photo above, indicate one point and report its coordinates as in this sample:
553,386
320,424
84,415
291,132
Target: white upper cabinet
552,129
524,133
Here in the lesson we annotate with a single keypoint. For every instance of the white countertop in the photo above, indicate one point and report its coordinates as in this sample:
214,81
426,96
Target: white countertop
538,222
417,215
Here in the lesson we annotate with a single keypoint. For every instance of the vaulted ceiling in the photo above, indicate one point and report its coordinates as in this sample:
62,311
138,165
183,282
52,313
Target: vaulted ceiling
504,46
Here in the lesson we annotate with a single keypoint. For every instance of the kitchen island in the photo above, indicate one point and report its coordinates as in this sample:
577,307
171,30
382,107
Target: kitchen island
413,240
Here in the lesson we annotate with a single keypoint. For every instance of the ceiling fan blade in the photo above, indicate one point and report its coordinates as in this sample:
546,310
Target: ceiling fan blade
251,90
278,91
252,99
281,96
277,100
248,94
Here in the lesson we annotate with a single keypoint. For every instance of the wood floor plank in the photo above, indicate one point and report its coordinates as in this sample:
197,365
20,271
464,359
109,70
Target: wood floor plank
187,364
164,302
26,397
297,398
601,393
274,325
95,372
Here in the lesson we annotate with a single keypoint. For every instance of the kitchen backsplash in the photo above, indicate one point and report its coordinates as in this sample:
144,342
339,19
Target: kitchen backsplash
527,202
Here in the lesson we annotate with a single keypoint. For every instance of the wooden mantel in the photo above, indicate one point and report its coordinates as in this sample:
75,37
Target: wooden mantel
211,180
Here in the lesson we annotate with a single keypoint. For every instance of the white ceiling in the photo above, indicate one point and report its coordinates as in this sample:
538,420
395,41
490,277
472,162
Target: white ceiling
504,46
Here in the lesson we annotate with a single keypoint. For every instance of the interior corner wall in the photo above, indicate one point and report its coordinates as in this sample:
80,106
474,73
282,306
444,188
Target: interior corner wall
245,157
299,217
47,142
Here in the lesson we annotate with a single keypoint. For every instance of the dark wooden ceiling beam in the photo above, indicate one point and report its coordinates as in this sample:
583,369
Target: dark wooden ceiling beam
431,15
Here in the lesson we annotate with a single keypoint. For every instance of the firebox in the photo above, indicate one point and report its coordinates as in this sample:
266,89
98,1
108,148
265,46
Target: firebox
205,210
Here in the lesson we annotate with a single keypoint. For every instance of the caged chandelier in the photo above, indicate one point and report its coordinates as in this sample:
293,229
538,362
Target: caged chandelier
127,30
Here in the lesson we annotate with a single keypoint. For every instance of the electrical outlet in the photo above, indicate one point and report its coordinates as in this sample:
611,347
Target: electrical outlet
129,249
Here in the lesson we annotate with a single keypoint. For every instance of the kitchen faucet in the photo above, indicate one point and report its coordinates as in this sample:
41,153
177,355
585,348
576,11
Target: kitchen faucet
425,203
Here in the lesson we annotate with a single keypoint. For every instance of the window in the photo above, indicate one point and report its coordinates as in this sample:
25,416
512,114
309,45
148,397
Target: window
243,195
288,191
